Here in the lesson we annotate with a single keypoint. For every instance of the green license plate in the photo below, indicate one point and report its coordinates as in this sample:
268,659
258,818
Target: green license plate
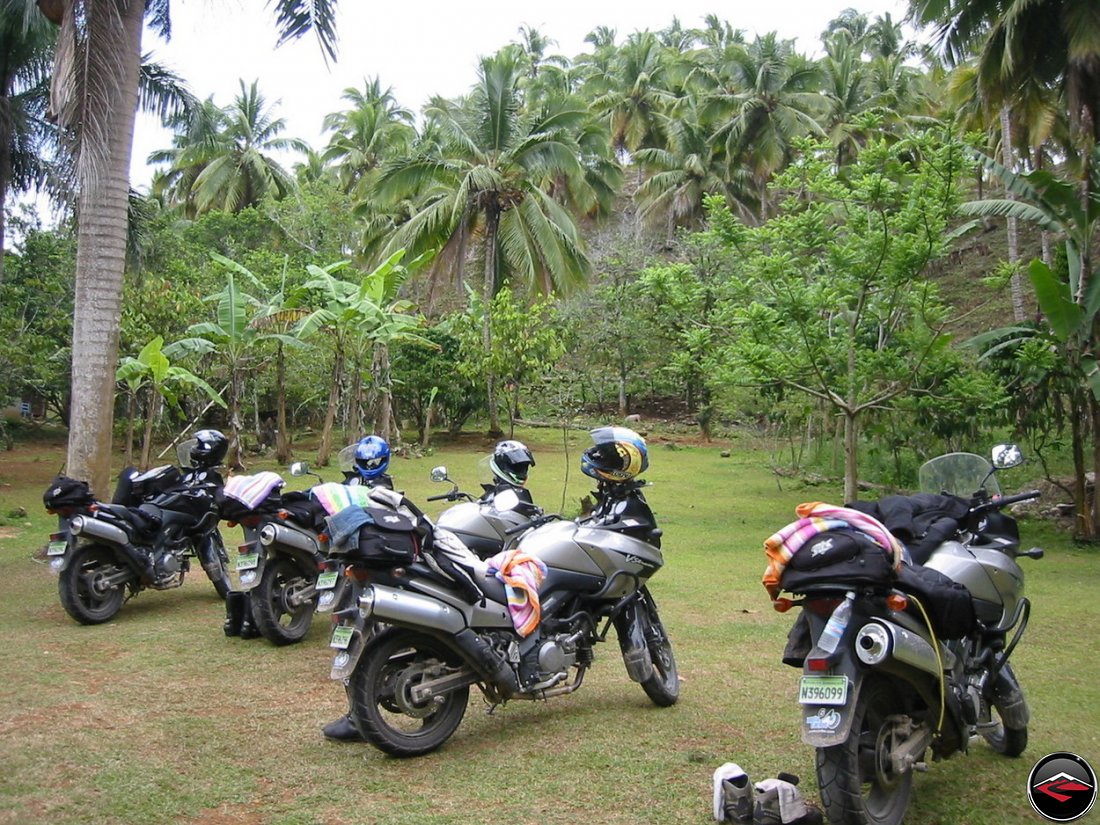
248,561
57,548
823,690
341,637
326,581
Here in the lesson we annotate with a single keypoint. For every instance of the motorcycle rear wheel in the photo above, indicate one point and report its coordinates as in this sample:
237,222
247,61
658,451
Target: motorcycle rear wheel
1005,741
663,687
857,784
382,707
78,586
277,620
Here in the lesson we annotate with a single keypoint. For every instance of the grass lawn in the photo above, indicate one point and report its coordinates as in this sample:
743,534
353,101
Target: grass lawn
158,717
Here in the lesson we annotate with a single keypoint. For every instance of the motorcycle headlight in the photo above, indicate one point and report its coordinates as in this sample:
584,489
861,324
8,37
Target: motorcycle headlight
872,643
366,602
267,534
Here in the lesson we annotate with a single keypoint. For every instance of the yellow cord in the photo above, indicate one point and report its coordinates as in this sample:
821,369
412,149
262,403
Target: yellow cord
939,660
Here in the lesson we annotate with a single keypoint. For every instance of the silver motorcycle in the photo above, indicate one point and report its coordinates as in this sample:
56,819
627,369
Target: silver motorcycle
447,625
900,663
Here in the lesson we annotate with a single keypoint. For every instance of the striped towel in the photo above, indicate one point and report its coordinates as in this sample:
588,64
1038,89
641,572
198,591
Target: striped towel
334,497
522,574
251,490
818,517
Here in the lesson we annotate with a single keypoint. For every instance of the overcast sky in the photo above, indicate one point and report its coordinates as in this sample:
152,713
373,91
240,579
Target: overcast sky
420,49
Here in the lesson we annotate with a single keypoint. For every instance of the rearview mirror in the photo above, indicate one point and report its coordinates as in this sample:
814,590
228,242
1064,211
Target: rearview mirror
299,468
439,473
1007,455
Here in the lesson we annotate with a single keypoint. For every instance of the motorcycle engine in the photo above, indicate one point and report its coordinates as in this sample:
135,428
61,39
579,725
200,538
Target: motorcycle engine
548,661
167,564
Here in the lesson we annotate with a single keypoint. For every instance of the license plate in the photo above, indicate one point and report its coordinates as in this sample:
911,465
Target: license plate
248,561
326,581
57,548
341,637
823,690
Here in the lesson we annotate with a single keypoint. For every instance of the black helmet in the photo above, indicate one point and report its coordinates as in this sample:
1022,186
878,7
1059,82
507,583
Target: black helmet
209,450
510,462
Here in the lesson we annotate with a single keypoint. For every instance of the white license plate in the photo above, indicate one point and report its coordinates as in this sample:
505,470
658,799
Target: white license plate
341,637
823,690
327,581
57,548
248,561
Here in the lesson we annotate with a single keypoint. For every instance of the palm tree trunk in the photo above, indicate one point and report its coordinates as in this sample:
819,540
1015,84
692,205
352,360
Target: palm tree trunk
1019,311
492,224
234,460
104,178
382,381
150,418
282,442
325,450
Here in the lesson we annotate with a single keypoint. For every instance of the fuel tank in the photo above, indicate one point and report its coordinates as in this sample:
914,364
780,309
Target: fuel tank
594,551
993,578
481,527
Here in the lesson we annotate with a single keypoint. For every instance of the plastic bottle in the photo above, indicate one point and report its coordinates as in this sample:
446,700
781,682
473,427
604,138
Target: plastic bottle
838,622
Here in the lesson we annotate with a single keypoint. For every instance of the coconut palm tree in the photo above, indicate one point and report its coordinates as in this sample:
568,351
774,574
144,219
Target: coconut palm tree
95,85
486,190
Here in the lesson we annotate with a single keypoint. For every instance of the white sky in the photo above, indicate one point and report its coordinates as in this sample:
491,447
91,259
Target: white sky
419,48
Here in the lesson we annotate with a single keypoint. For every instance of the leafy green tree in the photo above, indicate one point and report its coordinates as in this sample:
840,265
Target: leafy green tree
153,372
834,304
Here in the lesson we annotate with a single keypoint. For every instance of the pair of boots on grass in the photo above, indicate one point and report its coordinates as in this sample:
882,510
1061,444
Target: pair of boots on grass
768,802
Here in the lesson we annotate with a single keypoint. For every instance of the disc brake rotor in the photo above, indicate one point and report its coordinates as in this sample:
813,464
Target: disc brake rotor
406,680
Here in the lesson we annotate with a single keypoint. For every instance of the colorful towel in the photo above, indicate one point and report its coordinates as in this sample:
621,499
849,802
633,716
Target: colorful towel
251,490
818,517
334,497
522,575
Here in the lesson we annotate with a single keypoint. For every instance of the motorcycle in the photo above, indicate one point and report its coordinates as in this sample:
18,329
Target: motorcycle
447,623
902,659
107,553
483,523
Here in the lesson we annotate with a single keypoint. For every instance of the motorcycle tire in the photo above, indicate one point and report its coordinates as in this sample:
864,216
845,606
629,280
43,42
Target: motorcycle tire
1005,741
381,705
277,620
215,562
78,587
663,687
856,782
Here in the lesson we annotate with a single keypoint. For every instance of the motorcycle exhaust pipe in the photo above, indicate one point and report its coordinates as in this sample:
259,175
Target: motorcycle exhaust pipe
272,533
84,526
880,639
411,609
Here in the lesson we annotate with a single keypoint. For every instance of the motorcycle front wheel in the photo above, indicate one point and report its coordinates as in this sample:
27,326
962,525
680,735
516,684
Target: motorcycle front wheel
857,783
215,561
382,705
1005,741
83,585
280,618
663,687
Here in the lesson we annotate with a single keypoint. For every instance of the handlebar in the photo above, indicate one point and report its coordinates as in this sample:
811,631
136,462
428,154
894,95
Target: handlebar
454,495
1005,501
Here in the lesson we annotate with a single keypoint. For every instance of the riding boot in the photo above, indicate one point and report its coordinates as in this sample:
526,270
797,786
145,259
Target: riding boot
235,603
732,795
248,624
342,730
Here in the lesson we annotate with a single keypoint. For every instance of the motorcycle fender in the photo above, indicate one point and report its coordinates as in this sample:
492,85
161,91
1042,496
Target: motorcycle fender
1012,705
826,725
248,579
632,642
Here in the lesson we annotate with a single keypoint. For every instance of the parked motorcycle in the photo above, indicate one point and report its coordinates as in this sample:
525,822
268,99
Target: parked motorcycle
483,523
449,625
107,553
903,658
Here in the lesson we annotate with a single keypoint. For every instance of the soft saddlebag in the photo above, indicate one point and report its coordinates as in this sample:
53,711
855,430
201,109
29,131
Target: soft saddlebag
135,487
391,540
948,603
842,557
65,492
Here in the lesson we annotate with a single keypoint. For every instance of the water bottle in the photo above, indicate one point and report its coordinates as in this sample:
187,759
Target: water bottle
834,628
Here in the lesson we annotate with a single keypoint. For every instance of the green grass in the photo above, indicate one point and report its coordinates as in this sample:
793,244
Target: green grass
158,717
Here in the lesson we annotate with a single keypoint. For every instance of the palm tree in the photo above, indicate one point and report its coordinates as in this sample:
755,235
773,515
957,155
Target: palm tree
95,84
486,187
197,135
769,96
